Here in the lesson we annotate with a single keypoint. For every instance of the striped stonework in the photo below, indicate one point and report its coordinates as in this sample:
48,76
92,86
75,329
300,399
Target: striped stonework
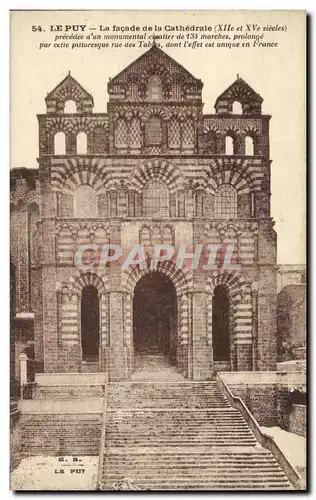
68,174
182,279
233,283
158,170
69,310
69,319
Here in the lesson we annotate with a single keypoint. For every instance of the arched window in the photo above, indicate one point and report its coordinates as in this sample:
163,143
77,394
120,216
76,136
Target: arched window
133,92
249,146
156,199
60,143
229,145
154,89
145,236
82,143
188,134
153,131
120,134
237,108
85,202
90,317
135,134
156,236
174,134
226,202
220,324
176,92
167,236
70,106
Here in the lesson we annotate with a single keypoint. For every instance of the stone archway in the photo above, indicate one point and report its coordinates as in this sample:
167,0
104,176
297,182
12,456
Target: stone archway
181,281
155,317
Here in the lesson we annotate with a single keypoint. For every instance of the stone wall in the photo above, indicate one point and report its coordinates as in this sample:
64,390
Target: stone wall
69,434
15,449
267,396
297,420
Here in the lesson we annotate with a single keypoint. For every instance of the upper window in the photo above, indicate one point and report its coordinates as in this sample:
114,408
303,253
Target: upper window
60,143
85,202
153,131
82,143
154,90
229,145
156,199
176,92
226,202
237,108
249,146
133,92
120,134
70,107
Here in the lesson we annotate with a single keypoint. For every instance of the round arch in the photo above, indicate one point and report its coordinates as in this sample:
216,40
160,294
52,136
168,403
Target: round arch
156,170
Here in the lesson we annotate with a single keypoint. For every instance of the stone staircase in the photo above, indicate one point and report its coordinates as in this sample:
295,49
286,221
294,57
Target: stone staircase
182,436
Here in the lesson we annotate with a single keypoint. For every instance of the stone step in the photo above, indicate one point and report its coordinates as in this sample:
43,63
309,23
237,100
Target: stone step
183,436
187,442
225,474
200,468
197,483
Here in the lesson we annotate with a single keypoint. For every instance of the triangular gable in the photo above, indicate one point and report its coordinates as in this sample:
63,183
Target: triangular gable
68,87
154,57
239,88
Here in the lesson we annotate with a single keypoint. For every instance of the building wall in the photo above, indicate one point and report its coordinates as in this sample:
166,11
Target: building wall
143,139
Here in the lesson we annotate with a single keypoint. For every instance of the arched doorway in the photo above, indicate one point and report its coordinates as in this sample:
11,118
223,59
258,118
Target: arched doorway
220,324
90,321
155,317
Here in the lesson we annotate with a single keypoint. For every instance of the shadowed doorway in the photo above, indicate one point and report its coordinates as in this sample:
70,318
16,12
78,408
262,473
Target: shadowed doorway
155,317
90,323
221,349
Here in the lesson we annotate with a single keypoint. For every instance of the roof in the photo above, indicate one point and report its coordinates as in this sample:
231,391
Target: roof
159,53
239,86
68,81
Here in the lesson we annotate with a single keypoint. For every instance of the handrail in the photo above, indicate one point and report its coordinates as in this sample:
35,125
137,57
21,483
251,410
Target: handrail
265,440
103,434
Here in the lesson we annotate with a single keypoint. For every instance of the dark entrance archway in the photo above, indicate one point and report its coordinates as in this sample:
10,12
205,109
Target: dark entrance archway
220,326
90,321
155,316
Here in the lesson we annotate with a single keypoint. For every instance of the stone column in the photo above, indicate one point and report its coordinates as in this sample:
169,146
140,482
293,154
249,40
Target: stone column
23,368
117,367
202,366
243,330
118,361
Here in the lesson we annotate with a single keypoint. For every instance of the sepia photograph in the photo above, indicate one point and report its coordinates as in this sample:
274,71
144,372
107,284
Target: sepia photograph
158,250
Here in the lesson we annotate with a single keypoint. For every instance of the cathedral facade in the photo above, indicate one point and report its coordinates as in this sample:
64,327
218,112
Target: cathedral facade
152,170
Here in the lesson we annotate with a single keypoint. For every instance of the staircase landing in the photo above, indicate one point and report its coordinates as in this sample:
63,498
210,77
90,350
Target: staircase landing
155,368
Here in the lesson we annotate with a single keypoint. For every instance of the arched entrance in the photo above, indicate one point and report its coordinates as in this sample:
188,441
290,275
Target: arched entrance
90,321
220,325
155,317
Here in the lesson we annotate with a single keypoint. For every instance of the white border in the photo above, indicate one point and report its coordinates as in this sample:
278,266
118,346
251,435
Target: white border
308,5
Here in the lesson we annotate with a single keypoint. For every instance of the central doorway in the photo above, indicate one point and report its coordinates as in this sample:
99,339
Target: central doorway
155,317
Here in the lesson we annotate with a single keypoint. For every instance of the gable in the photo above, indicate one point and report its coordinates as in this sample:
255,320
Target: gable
154,62
239,90
68,89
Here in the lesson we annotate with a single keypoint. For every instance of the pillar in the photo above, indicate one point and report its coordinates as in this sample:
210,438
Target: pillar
23,368
202,364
